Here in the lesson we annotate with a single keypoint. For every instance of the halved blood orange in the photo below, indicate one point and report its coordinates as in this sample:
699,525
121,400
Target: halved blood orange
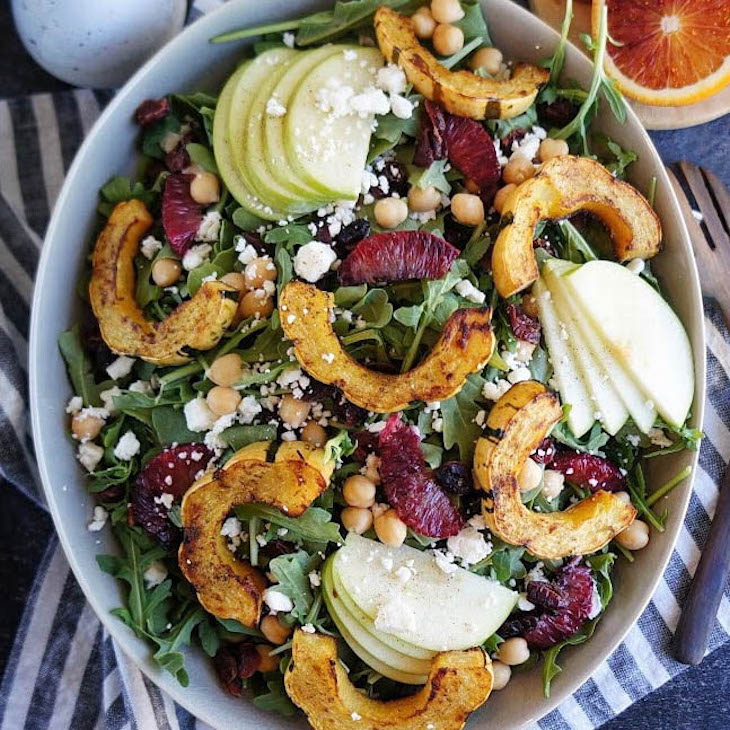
667,52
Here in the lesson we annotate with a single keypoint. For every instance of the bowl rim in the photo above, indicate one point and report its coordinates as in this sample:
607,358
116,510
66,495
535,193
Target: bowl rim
116,628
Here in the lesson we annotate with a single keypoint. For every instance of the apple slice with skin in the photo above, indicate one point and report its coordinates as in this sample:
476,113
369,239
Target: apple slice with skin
468,611
612,412
641,331
572,388
642,412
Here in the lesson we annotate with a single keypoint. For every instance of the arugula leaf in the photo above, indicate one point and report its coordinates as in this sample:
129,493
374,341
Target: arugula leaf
502,127
623,158
78,366
239,436
507,563
576,249
119,189
433,175
459,413
220,265
291,234
338,447
170,426
556,63
292,575
473,24
375,308
409,316
550,667
592,442
346,296
276,699
202,155
153,135
602,565
168,655
246,221
315,525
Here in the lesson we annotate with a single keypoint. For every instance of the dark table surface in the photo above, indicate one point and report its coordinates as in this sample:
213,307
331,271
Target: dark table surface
698,698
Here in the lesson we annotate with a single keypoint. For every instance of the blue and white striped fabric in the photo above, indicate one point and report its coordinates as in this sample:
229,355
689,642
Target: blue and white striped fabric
64,671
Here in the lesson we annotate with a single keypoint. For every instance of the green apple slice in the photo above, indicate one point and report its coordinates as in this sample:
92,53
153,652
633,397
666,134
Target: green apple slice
365,640
431,609
277,161
224,155
328,151
641,331
611,410
573,390
366,622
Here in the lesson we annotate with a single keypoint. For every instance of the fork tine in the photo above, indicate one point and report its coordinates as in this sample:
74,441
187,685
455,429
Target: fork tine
700,244
721,193
707,207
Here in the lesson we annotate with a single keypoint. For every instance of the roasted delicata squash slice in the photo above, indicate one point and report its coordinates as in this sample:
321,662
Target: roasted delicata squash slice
566,185
519,421
458,683
228,587
459,92
197,324
464,347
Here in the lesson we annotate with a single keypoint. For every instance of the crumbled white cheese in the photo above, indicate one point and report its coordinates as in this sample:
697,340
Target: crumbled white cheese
166,499
596,606
370,101
198,416
536,574
659,438
494,391
519,375
469,545
274,108
107,398
636,266
150,246
445,561
277,601
196,256
328,357
315,579
99,519
524,604
75,404
231,527
404,574
552,483
313,260
308,629
401,107
127,446
154,575
248,409
477,522
141,386
120,368
209,228
467,290
355,717
288,40
89,454
391,78
395,617
524,351
288,436
246,252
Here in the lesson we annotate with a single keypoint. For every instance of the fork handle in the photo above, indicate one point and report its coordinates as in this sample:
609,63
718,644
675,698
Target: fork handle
705,593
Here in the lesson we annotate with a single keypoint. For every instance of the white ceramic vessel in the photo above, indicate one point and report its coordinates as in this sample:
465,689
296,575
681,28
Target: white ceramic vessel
190,62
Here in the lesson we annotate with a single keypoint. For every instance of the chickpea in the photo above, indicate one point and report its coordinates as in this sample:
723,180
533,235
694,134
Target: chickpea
518,169
226,370
623,496
223,400
268,663
501,197
446,11
256,302
314,434
467,209
530,476
422,200
85,427
529,305
293,411
635,536
513,651
274,630
234,279
502,675
165,272
550,148
390,529
261,269
448,39
490,59
423,23
205,188
390,212
359,491
356,519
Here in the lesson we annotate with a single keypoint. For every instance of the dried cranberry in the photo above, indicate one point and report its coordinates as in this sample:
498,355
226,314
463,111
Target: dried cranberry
546,595
177,159
172,472
464,141
398,256
152,110
277,547
544,244
524,327
353,233
255,240
589,471
545,452
235,662
575,583
455,477
508,140
323,232
518,625
98,351
111,494
345,412
396,176
410,486
457,234
181,215
556,114
367,443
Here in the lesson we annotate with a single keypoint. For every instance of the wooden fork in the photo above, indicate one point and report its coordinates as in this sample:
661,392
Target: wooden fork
708,228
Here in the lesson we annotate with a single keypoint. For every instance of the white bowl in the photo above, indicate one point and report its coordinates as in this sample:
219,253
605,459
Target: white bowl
190,62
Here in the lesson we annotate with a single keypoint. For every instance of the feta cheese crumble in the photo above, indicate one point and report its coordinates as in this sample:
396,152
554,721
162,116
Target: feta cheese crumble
196,256
99,519
274,108
154,575
467,290
120,368
89,454
277,601
150,247
127,447
313,260
469,545
198,416
209,228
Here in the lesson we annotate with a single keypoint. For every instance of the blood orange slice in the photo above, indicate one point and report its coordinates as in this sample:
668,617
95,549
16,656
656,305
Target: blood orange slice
667,52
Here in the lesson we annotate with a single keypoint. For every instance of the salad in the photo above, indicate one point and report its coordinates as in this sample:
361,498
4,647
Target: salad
373,361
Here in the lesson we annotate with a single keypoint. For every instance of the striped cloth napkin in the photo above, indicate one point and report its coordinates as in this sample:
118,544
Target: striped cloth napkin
65,672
